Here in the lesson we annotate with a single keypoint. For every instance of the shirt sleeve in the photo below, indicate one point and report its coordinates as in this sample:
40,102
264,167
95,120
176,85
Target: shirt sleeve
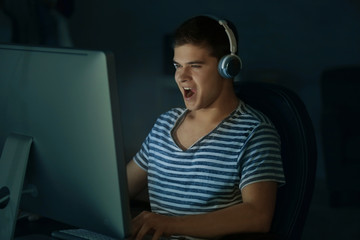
261,158
141,157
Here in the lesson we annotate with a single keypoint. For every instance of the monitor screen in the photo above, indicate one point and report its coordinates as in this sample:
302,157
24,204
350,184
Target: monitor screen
66,101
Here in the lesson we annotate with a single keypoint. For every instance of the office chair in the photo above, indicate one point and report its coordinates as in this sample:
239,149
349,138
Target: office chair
299,154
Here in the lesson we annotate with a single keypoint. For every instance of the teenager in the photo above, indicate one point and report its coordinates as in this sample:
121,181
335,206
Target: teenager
213,167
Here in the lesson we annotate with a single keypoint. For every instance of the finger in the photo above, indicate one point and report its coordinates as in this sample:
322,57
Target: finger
140,215
137,222
157,235
144,230
135,227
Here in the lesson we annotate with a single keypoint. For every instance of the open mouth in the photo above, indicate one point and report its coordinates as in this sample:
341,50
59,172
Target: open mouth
188,92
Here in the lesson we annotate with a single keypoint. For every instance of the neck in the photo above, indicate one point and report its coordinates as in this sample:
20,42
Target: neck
218,111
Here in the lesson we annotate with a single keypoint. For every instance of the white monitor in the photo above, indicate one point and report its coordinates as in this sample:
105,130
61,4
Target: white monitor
64,102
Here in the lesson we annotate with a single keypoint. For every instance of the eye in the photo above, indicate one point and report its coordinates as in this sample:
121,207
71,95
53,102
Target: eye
176,65
196,66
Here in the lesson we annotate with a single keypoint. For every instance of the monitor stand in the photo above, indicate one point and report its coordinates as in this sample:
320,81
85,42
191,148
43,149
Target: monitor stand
13,162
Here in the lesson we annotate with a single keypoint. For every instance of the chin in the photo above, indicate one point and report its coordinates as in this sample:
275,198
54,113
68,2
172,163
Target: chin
190,107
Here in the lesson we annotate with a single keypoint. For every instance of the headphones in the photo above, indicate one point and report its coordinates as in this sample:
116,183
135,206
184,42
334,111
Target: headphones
229,65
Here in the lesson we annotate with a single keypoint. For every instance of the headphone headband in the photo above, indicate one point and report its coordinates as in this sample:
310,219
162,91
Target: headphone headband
231,36
229,65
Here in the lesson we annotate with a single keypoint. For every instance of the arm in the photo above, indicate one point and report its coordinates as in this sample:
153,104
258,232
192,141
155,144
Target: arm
137,178
253,215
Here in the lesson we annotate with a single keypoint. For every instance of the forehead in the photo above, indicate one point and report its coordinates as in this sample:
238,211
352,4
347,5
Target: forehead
191,52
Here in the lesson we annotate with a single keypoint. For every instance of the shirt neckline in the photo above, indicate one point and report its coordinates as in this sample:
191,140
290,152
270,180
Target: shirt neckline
181,118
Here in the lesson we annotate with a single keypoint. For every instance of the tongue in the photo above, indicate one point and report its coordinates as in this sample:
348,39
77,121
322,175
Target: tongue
188,93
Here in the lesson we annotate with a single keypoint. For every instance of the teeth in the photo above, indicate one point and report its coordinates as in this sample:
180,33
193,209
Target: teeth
187,88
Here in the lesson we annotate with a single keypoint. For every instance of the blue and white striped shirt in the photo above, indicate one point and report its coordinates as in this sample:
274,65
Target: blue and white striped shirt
244,148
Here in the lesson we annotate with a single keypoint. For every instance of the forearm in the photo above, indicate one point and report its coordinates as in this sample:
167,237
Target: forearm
239,218
253,215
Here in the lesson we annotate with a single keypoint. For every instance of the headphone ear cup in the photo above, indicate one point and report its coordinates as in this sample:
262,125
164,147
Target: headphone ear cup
229,66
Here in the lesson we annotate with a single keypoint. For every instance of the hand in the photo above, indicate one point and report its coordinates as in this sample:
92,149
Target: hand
149,223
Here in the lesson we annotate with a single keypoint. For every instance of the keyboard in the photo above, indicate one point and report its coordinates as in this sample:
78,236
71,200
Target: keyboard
79,234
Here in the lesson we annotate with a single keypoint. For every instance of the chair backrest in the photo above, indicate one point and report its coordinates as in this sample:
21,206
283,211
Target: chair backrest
290,117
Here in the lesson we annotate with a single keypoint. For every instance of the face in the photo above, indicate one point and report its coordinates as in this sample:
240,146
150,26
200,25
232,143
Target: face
197,76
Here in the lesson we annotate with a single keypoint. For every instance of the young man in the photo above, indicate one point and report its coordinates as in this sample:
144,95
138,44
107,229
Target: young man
212,168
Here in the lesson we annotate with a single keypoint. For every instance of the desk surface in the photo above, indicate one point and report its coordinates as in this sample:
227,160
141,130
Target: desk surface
38,229
42,228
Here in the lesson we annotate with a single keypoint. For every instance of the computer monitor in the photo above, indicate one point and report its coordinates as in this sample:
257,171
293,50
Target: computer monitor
64,103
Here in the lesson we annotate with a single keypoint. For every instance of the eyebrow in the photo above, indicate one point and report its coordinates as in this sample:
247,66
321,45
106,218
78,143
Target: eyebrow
192,62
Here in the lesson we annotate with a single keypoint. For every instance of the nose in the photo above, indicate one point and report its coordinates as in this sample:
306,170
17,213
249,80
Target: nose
182,74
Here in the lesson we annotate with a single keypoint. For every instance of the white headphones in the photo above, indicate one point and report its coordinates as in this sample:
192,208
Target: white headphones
229,65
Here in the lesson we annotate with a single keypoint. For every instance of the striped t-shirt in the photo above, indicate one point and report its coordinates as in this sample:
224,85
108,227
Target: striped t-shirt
243,149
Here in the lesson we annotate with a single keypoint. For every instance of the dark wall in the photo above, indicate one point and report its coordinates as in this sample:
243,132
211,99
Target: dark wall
288,42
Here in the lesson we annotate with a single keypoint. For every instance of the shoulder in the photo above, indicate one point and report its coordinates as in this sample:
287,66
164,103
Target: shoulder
168,119
250,121
171,116
172,113
248,112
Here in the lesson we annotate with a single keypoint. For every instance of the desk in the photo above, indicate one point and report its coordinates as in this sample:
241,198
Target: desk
41,229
